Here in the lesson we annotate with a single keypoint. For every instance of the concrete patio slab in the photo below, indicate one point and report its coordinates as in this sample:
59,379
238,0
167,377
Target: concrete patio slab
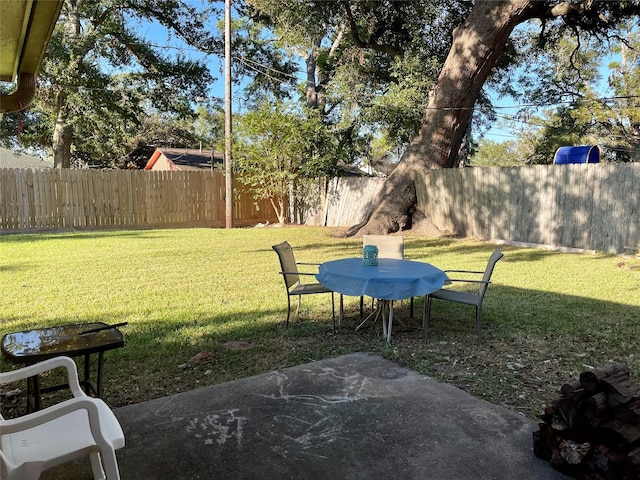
356,416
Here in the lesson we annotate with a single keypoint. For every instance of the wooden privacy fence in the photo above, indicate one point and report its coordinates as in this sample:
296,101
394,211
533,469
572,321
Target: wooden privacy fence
593,207
35,200
343,201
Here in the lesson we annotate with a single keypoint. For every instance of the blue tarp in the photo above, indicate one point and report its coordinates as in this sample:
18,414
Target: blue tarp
581,154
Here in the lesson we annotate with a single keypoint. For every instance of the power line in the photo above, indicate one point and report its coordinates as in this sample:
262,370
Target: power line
255,66
269,71
262,69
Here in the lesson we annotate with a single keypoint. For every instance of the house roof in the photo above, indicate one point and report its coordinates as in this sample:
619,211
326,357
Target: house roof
187,159
11,159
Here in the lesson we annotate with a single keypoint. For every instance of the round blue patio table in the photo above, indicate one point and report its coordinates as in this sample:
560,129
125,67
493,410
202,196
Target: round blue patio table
391,279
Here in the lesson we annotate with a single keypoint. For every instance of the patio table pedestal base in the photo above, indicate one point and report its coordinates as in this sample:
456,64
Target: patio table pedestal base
382,307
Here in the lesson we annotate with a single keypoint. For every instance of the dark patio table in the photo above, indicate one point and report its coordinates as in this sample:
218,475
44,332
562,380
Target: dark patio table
83,339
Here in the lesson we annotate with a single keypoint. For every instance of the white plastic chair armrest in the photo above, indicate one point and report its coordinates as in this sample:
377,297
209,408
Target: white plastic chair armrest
41,417
44,366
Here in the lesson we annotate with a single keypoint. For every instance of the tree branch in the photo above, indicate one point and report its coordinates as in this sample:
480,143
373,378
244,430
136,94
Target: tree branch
384,48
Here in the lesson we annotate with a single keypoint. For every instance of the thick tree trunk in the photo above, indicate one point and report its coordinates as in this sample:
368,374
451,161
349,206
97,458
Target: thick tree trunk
62,130
62,136
311,89
477,46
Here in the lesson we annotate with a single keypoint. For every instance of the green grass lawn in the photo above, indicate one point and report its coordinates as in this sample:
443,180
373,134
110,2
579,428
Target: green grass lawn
546,317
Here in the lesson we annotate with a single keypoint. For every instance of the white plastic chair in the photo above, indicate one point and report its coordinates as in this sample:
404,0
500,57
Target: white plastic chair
58,434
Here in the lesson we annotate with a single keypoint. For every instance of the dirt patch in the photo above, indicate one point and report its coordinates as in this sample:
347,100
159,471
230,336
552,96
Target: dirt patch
426,228
202,358
236,345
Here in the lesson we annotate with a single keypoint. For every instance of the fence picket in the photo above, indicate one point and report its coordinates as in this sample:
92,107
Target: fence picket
632,195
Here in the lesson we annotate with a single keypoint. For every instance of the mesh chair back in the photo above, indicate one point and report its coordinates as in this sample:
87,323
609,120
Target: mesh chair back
493,259
388,246
289,268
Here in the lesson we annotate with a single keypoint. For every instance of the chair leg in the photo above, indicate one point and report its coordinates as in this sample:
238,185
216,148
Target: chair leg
361,308
333,313
479,321
341,317
96,466
286,323
411,308
110,464
425,316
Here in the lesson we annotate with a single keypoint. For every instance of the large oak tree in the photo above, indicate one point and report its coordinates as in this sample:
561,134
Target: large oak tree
477,46
472,43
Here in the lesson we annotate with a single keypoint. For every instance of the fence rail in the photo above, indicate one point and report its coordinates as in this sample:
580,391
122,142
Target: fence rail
39,200
593,207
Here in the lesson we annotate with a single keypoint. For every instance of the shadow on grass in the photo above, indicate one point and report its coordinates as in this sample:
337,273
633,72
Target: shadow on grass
533,342
166,357
21,238
516,311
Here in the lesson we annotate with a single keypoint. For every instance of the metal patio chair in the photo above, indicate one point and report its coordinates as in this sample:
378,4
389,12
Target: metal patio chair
294,285
468,298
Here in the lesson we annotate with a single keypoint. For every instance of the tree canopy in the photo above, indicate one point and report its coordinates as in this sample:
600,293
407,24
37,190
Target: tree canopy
583,91
367,66
477,51
371,66
102,77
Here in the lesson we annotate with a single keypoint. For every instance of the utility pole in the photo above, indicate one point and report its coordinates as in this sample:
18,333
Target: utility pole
228,161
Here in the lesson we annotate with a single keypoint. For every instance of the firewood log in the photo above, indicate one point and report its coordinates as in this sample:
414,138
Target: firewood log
558,423
574,453
629,412
592,431
595,407
621,432
620,389
634,459
542,448
601,455
569,388
590,379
